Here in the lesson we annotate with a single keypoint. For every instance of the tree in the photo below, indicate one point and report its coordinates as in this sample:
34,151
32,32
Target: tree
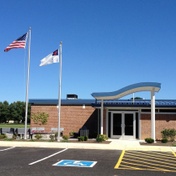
4,112
15,111
40,118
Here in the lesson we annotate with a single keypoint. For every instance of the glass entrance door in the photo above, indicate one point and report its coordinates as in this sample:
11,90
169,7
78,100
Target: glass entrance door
123,125
116,124
129,125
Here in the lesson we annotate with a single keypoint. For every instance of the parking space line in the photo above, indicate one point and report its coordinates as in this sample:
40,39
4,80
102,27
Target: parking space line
164,156
147,160
48,157
142,160
145,153
150,163
147,157
174,153
131,167
120,159
7,149
150,167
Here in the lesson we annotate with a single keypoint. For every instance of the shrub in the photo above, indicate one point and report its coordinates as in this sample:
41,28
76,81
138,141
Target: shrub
85,138
165,133
3,136
56,135
65,137
101,138
38,136
71,133
14,136
81,138
149,140
169,134
164,140
52,137
172,134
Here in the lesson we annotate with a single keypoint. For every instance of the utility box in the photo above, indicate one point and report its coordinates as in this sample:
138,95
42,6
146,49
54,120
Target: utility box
84,132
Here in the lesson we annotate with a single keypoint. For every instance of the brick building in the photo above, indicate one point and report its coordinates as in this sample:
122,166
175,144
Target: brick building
107,114
75,115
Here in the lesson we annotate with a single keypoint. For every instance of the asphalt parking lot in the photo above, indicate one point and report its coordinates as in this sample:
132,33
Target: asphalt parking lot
16,161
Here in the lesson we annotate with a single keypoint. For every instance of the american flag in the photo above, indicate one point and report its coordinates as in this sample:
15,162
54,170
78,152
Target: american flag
18,43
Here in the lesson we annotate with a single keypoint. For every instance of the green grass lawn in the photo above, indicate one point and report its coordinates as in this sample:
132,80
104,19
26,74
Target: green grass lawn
7,125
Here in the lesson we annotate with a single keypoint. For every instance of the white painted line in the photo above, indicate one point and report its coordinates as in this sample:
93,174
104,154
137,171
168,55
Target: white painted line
7,149
48,157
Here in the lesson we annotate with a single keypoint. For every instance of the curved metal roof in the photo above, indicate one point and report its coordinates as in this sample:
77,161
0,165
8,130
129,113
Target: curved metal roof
138,87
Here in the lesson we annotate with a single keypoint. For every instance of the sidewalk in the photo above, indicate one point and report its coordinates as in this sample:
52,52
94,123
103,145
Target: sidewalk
113,145
135,145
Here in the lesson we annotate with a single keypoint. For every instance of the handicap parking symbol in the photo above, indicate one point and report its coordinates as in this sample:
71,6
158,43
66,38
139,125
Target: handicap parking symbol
75,163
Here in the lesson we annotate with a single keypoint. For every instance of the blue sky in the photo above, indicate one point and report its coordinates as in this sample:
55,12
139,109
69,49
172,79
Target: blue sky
107,45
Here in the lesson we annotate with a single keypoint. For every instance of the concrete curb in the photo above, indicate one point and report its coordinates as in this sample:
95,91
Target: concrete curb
114,145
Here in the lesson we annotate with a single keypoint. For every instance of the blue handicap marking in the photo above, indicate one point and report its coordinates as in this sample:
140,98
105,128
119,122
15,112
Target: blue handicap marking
75,163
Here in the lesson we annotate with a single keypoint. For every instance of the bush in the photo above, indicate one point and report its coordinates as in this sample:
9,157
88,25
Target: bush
85,138
101,138
172,134
65,137
71,133
169,134
56,135
165,133
38,136
81,138
3,136
52,137
149,140
164,140
14,136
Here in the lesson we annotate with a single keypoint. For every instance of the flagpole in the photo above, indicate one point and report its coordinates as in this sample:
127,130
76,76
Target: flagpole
27,83
59,94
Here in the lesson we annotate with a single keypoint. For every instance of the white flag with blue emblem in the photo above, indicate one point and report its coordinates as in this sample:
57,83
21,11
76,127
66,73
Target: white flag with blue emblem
50,59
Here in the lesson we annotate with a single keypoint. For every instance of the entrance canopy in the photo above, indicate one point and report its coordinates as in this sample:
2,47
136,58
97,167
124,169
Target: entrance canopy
143,86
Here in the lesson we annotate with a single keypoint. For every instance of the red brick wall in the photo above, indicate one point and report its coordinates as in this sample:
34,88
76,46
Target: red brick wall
72,118
75,117
52,119
163,121
145,126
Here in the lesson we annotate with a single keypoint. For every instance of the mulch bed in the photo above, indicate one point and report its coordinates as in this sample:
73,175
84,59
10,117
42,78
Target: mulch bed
89,141
70,141
159,143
